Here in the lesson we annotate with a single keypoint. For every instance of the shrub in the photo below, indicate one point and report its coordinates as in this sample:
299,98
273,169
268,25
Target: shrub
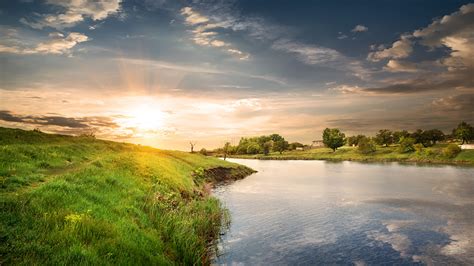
406,145
418,148
451,150
203,152
366,146
429,152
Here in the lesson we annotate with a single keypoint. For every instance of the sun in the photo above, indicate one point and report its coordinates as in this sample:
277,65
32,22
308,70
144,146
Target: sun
144,117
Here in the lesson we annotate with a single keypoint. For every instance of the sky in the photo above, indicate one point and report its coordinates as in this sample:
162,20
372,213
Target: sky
165,73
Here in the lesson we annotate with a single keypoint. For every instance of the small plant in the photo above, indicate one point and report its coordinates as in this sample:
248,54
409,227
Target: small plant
451,150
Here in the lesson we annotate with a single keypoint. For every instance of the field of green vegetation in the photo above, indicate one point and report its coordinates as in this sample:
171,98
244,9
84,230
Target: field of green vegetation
434,154
79,200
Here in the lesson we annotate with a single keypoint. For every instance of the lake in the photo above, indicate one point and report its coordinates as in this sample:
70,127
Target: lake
321,212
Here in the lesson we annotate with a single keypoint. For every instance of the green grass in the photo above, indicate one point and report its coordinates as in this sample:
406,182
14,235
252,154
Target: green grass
383,154
78,200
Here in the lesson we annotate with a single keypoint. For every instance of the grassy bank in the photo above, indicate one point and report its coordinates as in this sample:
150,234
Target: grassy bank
78,200
383,154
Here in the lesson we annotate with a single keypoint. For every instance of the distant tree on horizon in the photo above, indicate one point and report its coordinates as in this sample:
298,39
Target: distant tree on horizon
397,135
354,140
192,146
366,145
333,138
280,145
464,132
384,137
226,149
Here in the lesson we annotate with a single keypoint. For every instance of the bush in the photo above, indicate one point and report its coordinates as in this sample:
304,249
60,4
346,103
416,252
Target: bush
366,146
429,152
451,150
203,152
406,145
418,148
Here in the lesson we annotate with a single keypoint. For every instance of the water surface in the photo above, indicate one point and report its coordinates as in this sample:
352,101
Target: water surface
320,212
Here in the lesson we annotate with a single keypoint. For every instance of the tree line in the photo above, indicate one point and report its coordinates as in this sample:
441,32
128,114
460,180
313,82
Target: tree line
334,138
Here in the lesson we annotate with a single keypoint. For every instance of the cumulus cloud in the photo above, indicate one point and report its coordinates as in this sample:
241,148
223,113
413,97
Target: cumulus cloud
204,32
454,32
401,66
57,44
73,12
360,28
399,49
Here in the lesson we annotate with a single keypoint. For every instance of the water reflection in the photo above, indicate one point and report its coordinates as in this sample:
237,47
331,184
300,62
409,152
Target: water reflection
317,212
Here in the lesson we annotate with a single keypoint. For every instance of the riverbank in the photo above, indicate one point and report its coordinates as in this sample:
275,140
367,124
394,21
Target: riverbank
79,200
432,155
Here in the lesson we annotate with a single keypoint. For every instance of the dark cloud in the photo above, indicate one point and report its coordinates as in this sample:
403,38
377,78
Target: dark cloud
426,83
7,116
56,120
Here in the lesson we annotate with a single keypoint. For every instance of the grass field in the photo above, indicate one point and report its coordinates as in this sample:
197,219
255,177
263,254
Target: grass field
78,200
383,154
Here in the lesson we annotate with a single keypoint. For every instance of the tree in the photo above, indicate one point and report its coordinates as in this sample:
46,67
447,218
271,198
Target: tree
226,149
422,137
276,137
397,135
192,146
366,146
354,140
434,135
280,145
406,145
333,138
464,132
253,148
384,137
266,147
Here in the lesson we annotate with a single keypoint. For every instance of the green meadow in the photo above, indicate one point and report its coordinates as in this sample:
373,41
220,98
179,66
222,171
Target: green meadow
434,154
79,200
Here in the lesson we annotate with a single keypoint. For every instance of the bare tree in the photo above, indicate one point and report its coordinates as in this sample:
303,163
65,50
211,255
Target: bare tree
192,146
226,149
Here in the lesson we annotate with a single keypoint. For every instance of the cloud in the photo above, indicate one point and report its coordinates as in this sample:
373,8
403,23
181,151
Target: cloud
342,36
360,28
55,120
192,17
453,71
73,12
401,66
400,49
205,34
457,103
57,44
308,54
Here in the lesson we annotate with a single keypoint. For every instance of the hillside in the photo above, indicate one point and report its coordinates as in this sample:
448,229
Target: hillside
81,200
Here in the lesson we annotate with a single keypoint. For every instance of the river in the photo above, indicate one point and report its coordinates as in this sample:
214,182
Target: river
321,212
